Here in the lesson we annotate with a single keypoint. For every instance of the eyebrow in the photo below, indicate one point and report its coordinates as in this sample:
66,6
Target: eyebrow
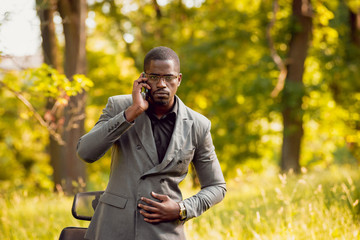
161,74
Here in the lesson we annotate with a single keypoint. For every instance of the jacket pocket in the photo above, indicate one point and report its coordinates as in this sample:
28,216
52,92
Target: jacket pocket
186,156
183,160
113,200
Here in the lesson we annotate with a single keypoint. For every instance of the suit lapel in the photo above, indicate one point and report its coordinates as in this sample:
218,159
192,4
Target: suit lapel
181,130
144,132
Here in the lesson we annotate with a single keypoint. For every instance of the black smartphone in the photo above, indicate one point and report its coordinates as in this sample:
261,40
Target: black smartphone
144,90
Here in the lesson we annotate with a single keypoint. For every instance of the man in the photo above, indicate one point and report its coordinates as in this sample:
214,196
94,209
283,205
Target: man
154,138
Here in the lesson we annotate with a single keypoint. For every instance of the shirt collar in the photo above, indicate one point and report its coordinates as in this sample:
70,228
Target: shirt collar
172,112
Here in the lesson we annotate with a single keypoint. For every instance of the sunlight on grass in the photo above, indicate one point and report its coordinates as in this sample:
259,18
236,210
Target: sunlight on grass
323,205
316,205
35,217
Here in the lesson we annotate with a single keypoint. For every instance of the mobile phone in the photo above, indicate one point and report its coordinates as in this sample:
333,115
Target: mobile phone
144,90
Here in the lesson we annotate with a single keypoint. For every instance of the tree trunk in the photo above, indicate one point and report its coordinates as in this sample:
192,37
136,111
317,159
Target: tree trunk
355,27
73,14
354,17
294,88
45,10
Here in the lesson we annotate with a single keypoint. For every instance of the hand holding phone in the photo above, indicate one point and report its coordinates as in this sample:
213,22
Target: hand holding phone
144,90
140,98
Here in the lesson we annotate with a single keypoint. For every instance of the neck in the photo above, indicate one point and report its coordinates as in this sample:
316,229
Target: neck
161,110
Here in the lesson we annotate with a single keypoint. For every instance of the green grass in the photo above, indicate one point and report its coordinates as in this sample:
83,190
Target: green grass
37,217
322,205
314,205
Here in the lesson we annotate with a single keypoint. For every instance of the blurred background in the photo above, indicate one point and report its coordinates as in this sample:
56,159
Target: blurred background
279,80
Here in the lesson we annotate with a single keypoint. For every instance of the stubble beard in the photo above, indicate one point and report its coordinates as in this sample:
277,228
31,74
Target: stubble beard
159,102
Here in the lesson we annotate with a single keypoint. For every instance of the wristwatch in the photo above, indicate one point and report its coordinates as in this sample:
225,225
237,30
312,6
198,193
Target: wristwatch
183,214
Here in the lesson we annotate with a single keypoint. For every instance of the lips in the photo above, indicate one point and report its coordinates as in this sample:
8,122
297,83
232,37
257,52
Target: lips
161,94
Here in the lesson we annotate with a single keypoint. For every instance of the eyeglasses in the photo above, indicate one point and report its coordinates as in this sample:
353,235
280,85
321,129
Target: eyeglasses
152,78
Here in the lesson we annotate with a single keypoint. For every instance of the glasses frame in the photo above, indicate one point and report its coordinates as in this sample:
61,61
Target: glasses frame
157,78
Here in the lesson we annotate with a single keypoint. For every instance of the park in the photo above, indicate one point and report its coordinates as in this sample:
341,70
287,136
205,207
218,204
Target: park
279,81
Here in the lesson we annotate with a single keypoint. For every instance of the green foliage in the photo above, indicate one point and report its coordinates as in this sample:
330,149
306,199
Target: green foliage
49,83
23,140
331,78
222,66
228,75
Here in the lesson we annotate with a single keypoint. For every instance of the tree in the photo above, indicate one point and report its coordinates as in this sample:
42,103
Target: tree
294,88
70,119
225,68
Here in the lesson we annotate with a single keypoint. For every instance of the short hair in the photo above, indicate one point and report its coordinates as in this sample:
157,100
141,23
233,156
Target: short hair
162,53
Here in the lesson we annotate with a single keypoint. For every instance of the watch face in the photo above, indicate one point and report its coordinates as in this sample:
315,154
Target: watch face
182,211
182,215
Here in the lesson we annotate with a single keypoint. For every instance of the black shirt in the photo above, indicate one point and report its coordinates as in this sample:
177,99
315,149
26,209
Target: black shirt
162,129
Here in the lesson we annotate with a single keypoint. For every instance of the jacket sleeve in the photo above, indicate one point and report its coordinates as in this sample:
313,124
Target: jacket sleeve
111,125
213,186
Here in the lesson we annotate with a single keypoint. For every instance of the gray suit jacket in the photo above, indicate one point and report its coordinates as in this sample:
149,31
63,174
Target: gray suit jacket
136,171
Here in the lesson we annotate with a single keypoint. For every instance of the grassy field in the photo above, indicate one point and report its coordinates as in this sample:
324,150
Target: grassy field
314,205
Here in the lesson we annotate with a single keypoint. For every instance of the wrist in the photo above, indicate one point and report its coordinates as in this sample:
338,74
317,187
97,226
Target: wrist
132,112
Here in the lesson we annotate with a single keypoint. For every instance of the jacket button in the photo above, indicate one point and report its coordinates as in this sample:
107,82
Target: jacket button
138,147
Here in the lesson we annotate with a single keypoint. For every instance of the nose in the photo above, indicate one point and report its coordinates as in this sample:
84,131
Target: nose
161,83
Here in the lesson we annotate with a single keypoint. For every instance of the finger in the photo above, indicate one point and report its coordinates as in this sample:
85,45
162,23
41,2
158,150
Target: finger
146,85
138,82
152,220
142,78
138,86
151,202
148,208
150,215
159,196
142,83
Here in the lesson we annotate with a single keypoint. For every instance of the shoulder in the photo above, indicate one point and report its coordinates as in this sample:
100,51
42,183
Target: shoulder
197,117
121,100
199,120
119,103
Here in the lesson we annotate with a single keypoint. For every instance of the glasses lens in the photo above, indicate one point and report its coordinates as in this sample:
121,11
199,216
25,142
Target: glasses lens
169,78
153,78
156,78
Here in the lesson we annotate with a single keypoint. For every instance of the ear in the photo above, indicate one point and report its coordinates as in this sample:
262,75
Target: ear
179,79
